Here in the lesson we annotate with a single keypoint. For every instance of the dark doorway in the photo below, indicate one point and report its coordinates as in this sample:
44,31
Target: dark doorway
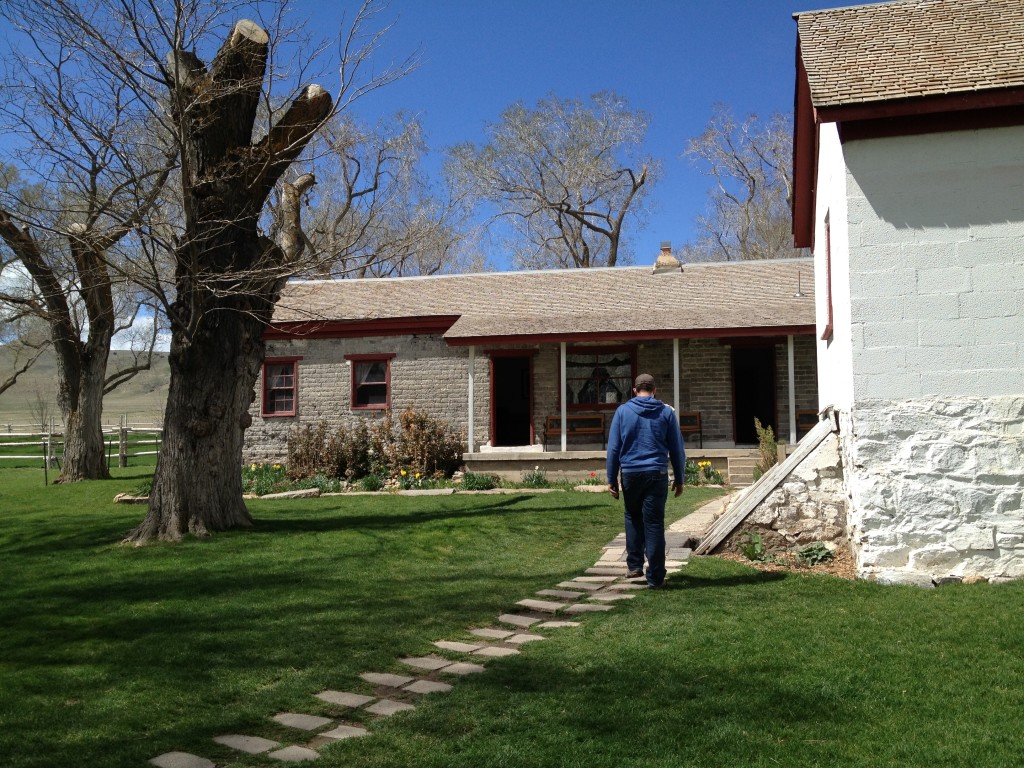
753,391
511,401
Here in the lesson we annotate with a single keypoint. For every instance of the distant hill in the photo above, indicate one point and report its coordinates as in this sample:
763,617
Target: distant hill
142,397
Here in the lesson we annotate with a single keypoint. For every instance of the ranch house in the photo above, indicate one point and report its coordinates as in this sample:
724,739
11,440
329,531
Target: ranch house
508,358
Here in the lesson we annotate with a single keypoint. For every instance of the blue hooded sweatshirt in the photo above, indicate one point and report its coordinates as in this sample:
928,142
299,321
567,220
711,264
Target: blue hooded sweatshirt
643,436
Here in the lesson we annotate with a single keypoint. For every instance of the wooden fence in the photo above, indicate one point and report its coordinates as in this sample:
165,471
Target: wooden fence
23,445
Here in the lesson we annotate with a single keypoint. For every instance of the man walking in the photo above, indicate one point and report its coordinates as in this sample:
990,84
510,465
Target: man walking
643,436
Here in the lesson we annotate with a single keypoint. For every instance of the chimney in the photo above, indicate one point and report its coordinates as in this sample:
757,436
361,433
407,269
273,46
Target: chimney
666,262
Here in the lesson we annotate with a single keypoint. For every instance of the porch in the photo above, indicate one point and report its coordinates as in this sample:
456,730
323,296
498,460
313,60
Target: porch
735,464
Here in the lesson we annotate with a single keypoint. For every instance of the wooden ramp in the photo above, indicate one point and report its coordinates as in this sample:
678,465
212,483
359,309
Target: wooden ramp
767,483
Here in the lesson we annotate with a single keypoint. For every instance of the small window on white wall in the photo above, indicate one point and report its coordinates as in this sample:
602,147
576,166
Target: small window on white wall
826,334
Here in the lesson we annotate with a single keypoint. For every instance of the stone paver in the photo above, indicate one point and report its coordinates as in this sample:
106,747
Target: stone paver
596,579
494,634
588,586
604,571
675,563
627,586
344,698
681,553
518,620
612,598
524,638
452,645
570,594
558,624
587,608
496,651
300,721
254,745
427,686
384,678
545,606
463,668
387,707
293,754
345,732
426,662
181,760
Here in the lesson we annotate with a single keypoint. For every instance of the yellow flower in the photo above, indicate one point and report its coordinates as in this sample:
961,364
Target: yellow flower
404,473
252,467
417,475
277,466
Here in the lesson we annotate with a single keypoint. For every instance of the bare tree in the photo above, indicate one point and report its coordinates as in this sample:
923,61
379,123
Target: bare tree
82,182
234,134
373,212
566,174
748,214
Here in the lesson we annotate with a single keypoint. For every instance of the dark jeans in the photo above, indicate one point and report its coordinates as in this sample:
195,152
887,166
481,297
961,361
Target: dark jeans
644,494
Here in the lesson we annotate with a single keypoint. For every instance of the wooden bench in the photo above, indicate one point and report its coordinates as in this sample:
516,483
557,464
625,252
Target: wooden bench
805,421
689,424
579,424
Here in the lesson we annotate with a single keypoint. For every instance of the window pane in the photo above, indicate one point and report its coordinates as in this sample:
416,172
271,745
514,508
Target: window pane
281,401
372,394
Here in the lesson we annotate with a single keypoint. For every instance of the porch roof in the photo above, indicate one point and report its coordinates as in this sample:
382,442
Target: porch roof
713,299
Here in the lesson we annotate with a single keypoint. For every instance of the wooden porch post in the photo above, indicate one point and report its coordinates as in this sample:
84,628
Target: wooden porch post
472,408
792,391
562,388
675,374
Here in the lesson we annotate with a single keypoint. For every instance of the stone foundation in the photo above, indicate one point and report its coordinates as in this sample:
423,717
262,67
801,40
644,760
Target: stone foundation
936,487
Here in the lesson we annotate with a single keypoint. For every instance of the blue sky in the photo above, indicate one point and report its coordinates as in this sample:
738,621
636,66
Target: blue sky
671,58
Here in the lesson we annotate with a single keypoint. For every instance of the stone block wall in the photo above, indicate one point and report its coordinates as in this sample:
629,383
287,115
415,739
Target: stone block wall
936,486
431,376
426,374
809,505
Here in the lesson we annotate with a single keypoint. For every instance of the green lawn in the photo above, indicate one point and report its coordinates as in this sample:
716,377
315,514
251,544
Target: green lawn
111,655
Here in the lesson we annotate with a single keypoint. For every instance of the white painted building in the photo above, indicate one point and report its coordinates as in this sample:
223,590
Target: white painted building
909,187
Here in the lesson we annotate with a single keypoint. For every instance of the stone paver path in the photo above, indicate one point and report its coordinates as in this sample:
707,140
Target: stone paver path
604,585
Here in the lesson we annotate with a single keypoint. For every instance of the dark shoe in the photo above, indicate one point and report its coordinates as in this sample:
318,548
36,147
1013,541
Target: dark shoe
634,574
656,586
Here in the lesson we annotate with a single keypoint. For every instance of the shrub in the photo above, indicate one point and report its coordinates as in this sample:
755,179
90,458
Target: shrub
752,547
427,444
767,447
477,481
371,483
314,450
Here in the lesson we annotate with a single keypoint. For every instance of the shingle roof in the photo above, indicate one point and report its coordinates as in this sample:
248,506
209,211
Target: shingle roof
914,48
733,295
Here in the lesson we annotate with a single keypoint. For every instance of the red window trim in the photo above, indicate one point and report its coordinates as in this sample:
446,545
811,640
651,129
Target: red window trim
826,334
386,357
294,360
600,350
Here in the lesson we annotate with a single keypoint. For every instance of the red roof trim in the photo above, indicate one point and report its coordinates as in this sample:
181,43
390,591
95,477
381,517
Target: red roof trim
347,329
805,158
972,101
649,335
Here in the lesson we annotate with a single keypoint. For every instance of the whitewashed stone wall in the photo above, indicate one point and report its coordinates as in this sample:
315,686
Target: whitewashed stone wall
939,487
809,505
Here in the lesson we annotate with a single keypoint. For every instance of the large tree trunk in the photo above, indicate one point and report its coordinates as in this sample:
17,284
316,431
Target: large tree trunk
197,488
84,454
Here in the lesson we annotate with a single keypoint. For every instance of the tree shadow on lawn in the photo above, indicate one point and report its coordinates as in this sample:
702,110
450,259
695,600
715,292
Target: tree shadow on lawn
316,521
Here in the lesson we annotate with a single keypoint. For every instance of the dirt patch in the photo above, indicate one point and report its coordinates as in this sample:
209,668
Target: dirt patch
841,564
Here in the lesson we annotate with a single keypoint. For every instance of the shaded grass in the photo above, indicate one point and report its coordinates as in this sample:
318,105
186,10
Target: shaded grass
111,655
